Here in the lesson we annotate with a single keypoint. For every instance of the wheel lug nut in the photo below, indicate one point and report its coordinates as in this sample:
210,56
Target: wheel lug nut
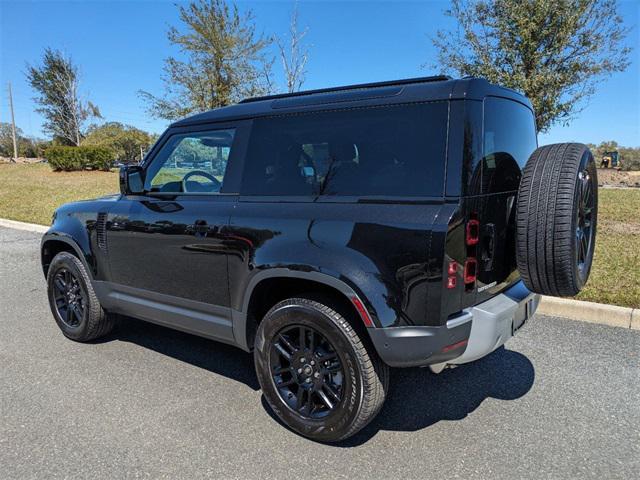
316,374
308,380
312,363
299,370
302,360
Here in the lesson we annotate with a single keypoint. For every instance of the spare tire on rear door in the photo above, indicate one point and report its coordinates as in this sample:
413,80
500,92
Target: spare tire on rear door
556,219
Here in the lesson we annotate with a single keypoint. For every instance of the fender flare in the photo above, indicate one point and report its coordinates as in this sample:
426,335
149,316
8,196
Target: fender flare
69,240
240,317
315,276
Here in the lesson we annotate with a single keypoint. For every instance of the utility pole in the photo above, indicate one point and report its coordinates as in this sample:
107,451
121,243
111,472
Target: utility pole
13,126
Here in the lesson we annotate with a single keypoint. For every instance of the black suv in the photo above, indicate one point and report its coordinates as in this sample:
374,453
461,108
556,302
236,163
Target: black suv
335,233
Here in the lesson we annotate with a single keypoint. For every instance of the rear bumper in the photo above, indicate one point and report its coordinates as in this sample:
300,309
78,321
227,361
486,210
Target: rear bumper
476,332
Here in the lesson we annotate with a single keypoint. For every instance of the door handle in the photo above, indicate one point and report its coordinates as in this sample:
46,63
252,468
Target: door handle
489,246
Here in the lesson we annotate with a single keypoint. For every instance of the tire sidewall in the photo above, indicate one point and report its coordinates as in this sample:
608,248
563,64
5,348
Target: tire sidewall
338,422
71,263
547,219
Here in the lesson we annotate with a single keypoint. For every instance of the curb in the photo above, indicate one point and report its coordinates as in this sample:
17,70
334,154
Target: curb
612,315
29,227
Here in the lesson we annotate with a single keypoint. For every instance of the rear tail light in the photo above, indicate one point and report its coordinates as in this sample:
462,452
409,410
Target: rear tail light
472,237
473,232
470,271
453,268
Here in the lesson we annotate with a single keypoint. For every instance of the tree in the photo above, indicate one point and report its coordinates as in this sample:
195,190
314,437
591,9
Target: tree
27,146
56,83
6,139
294,56
555,51
128,143
224,61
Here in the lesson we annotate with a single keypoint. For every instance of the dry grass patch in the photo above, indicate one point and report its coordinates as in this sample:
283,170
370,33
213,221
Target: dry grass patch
31,192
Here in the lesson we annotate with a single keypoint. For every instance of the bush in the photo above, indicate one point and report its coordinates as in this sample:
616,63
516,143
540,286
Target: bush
631,163
79,158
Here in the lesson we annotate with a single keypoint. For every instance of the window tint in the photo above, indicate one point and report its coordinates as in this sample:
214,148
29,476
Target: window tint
394,151
192,163
508,141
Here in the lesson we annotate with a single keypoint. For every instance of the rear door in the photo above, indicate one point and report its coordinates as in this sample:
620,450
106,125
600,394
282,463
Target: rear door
509,139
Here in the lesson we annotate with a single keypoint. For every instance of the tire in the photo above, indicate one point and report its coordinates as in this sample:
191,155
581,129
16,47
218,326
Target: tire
86,320
363,377
556,219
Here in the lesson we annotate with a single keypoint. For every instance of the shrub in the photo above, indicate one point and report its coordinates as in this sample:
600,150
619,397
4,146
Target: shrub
79,158
631,162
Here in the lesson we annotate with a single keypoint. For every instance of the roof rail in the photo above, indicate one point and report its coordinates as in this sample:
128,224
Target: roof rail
359,86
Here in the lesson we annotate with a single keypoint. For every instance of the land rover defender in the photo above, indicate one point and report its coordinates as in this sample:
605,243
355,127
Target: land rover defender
335,233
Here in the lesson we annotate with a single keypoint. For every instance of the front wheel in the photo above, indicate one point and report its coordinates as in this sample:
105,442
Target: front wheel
73,302
315,371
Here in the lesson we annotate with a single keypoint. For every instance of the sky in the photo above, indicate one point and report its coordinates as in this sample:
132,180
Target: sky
120,47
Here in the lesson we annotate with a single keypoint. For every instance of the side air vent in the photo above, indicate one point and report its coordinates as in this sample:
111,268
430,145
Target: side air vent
101,231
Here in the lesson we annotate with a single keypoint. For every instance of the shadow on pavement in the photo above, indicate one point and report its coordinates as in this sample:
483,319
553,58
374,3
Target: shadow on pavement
416,399
216,357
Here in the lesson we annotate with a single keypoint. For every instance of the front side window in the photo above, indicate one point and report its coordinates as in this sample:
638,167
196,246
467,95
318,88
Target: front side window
191,163
382,151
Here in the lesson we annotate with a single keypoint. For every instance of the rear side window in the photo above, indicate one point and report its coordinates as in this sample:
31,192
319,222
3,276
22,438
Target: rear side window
509,139
390,151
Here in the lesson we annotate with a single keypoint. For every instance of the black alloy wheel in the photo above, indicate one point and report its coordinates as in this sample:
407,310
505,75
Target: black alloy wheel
585,232
70,298
73,302
318,373
307,371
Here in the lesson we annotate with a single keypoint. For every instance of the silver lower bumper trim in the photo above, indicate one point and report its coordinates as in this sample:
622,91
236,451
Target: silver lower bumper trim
496,320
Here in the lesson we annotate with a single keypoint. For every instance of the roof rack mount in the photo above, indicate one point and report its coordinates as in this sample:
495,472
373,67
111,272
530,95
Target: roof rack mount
359,86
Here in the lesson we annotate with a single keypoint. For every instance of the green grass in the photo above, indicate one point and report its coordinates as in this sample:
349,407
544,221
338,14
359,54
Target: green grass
615,275
30,193
166,175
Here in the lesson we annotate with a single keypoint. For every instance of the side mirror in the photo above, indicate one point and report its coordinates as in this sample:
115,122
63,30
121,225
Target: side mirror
131,180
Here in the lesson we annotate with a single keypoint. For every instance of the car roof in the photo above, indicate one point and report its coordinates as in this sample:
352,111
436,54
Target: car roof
410,90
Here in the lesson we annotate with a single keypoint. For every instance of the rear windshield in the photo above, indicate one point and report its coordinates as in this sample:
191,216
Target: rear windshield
382,151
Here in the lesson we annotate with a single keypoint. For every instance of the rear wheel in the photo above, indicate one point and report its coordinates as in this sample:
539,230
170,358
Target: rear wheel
73,302
556,219
315,371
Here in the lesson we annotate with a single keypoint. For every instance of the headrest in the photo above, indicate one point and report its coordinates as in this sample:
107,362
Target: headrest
342,151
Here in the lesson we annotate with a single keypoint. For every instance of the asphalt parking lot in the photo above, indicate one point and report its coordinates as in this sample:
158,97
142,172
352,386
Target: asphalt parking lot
561,401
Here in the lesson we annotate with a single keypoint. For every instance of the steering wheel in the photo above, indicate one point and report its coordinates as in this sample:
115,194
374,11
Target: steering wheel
200,173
